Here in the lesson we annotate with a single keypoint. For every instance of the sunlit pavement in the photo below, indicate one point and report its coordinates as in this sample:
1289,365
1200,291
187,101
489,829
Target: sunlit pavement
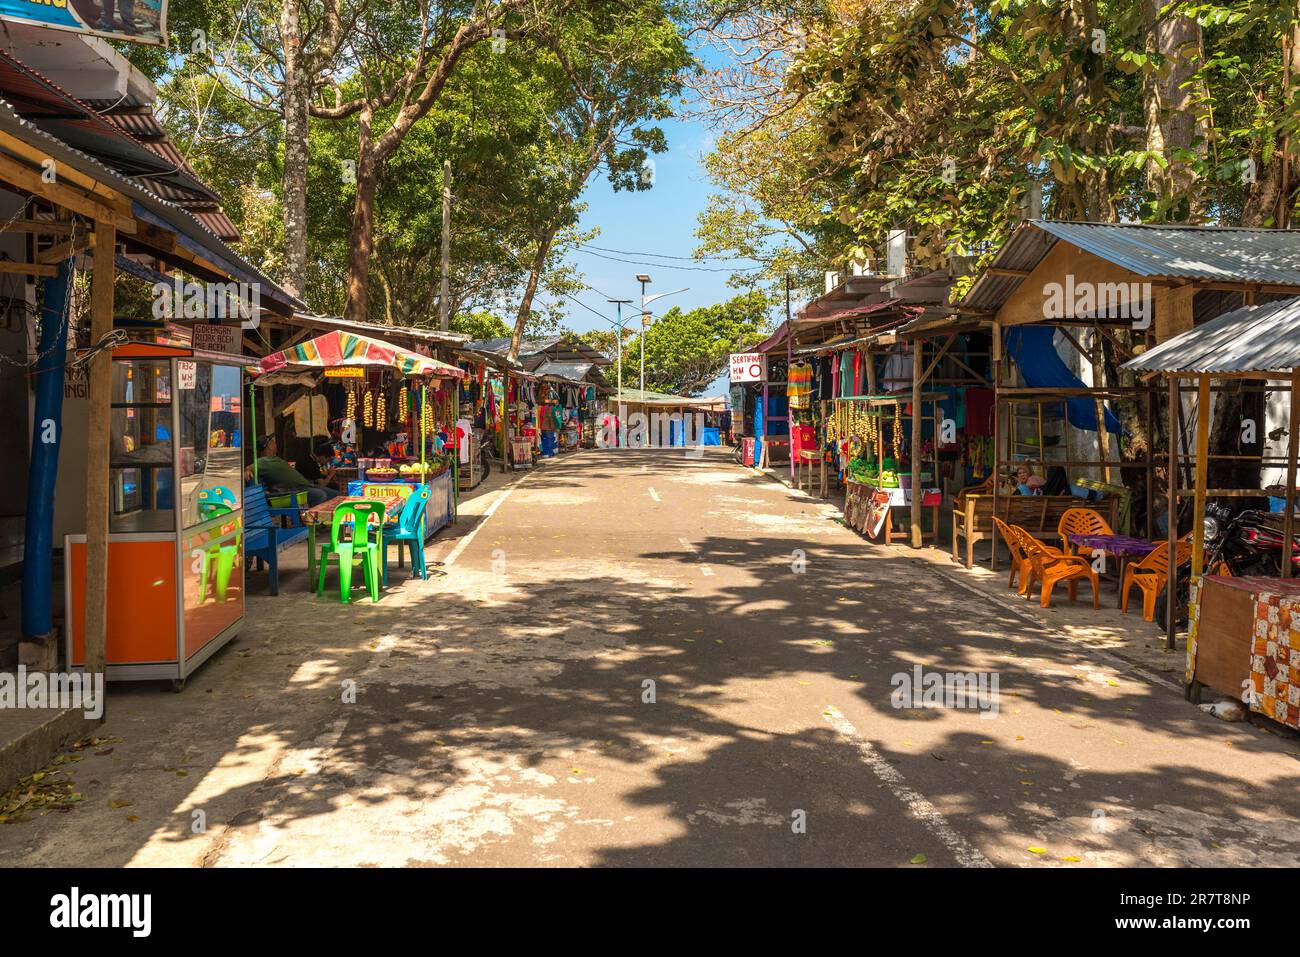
644,658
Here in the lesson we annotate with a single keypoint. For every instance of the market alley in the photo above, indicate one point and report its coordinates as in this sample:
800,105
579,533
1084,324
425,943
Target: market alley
655,658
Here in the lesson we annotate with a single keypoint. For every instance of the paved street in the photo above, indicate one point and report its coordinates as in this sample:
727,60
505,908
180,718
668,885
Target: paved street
503,711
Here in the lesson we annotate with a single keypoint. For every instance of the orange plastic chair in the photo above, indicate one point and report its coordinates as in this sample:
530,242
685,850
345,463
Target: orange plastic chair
1080,521
1021,562
1052,566
1152,575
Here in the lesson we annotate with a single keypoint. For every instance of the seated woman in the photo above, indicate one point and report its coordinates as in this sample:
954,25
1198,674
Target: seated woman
1026,483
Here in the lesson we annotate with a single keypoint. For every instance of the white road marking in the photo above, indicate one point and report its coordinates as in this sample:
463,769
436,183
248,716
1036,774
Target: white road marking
654,495
705,570
487,514
967,854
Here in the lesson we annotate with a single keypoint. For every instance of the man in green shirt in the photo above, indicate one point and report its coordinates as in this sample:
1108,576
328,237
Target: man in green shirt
278,474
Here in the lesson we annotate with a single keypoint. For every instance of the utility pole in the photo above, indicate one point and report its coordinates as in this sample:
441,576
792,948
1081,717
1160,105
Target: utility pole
619,304
444,314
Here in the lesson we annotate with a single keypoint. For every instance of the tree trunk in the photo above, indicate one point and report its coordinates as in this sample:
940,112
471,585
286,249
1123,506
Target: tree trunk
530,290
363,221
297,101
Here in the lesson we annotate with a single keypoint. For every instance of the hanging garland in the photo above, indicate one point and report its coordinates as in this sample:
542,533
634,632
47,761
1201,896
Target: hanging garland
368,409
351,412
381,410
898,436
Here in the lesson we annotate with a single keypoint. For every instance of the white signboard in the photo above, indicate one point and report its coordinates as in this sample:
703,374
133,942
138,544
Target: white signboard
748,367
187,374
209,337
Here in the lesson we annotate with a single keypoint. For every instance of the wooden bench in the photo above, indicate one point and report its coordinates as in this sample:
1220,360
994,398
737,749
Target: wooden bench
1039,515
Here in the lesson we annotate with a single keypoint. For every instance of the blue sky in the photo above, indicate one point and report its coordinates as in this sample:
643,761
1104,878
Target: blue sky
659,220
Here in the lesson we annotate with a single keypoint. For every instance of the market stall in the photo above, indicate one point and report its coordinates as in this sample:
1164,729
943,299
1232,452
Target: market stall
391,414
1242,630
882,469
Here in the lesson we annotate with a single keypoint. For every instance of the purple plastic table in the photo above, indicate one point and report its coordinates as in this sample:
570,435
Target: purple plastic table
1122,547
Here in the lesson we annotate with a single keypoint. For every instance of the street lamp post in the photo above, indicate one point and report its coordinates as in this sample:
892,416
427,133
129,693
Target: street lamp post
644,280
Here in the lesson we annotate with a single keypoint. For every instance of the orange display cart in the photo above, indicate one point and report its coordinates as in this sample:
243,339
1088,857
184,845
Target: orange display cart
175,552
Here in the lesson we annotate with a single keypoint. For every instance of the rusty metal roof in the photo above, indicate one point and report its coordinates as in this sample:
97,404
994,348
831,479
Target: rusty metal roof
1262,338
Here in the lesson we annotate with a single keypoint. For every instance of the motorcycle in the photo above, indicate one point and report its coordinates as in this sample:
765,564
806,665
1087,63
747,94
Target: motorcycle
1246,542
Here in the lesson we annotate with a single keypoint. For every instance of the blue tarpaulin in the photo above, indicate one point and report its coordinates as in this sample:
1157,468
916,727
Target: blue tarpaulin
1043,368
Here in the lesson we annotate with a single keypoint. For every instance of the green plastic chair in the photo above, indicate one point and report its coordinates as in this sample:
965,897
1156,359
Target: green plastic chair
224,556
360,548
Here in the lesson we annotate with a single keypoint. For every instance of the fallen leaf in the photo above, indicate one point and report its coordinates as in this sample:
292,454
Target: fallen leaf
918,859
1038,850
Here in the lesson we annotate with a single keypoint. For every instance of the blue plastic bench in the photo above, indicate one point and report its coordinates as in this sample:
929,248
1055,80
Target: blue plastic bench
264,538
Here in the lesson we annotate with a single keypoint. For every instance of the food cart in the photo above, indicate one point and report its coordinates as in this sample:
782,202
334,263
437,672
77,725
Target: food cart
175,552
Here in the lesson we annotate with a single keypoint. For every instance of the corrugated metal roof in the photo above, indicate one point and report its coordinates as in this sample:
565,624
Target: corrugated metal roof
573,371
315,321
1223,253
147,205
1209,253
1263,338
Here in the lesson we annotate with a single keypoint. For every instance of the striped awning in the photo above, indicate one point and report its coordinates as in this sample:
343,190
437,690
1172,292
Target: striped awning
348,349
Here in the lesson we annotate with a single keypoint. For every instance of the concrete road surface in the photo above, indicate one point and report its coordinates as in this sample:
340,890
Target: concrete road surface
644,658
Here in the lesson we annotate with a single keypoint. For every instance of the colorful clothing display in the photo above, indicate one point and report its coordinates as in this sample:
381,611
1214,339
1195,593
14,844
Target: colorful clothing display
799,387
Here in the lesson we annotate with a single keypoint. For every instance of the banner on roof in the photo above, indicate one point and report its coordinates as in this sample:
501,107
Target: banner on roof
139,21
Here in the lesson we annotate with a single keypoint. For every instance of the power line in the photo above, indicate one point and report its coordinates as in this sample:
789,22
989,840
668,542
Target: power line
634,262
626,252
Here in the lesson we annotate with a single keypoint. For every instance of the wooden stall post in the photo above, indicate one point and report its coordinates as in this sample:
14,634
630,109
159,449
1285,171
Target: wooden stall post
917,373
996,349
1171,484
1099,404
507,437
1202,472
100,380
1288,520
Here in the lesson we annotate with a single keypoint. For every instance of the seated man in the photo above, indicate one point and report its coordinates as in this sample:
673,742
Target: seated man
278,474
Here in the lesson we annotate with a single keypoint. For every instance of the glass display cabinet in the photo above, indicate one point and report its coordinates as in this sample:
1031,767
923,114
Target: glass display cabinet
175,553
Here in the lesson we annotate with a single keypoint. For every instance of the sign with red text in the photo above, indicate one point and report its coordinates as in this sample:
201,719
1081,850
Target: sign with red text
748,367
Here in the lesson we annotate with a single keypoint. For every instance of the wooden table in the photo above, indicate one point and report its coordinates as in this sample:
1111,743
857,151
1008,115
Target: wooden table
323,514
